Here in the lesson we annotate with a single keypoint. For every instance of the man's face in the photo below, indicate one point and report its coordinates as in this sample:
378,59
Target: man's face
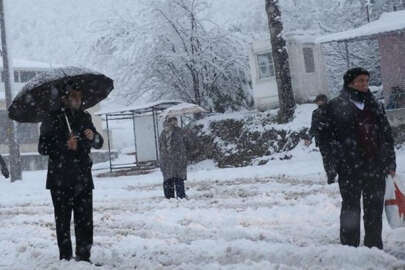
75,100
360,83
320,103
174,122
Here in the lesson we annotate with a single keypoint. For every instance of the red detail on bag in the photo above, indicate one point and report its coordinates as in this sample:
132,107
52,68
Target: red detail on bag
399,201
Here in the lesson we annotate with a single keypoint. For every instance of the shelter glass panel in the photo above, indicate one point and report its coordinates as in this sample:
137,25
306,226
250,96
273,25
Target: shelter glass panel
25,76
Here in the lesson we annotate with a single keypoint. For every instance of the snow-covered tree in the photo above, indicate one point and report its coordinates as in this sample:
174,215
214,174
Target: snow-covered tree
176,52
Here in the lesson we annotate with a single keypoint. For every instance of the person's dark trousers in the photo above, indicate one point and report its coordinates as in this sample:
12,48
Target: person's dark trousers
172,184
368,181
65,202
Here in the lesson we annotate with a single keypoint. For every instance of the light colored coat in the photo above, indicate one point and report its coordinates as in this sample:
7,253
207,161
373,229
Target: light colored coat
173,153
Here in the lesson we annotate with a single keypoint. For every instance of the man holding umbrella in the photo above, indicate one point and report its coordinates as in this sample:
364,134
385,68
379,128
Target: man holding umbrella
69,172
59,100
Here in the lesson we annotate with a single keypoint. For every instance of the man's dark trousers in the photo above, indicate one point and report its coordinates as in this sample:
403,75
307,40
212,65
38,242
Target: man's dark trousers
79,202
369,181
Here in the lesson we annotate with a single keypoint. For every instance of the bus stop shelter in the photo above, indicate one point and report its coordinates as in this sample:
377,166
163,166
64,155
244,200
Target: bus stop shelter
146,127
147,123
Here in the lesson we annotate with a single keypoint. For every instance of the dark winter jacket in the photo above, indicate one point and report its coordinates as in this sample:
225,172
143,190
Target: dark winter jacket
317,124
68,168
173,153
347,139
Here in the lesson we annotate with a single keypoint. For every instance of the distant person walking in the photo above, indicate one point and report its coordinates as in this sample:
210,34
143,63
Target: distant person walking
321,140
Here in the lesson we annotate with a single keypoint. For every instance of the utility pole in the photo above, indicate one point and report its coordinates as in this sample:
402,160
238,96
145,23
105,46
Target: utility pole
14,156
368,12
369,6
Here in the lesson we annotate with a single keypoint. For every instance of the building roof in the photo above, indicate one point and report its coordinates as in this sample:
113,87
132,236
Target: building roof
387,23
28,64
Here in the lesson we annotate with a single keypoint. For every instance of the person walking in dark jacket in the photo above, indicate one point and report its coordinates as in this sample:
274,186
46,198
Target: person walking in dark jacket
362,146
317,115
320,140
67,137
173,158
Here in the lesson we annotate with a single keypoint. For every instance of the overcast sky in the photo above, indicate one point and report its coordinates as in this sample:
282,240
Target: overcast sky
52,30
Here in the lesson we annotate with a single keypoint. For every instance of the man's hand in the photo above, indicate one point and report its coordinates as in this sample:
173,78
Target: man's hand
392,174
308,142
331,177
72,143
89,134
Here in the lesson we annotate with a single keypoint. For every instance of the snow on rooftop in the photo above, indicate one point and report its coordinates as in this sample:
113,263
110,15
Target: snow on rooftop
302,36
293,36
183,109
23,64
388,22
137,107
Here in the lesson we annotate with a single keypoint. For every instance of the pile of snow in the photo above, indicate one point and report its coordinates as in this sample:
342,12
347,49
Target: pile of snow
302,119
241,139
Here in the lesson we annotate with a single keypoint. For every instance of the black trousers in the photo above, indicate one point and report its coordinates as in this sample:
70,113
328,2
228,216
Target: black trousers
66,201
170,185
369,181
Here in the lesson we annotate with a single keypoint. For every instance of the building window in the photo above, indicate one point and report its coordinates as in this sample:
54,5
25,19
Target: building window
309,60
27,133
16,76
25,76
3,127
266,66
21,76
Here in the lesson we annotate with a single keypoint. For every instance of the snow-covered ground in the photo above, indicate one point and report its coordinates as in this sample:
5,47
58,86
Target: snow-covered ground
278,216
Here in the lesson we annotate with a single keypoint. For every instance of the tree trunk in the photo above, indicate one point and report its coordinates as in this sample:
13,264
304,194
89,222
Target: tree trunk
14,156
281,64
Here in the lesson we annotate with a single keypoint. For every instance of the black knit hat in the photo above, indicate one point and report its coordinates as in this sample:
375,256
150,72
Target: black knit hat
321,98
353,73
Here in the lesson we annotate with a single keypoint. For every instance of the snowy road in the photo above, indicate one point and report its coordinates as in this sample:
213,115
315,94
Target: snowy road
248,218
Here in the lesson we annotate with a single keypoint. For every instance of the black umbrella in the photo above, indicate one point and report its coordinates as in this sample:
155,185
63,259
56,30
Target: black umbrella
42,95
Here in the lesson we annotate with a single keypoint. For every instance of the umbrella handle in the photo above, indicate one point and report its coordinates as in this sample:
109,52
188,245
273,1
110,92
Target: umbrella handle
68,124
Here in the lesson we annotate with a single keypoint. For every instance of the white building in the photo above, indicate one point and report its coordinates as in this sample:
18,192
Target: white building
308,74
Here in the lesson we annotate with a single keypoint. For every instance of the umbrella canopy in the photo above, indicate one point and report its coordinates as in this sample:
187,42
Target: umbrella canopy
42,95
182,109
